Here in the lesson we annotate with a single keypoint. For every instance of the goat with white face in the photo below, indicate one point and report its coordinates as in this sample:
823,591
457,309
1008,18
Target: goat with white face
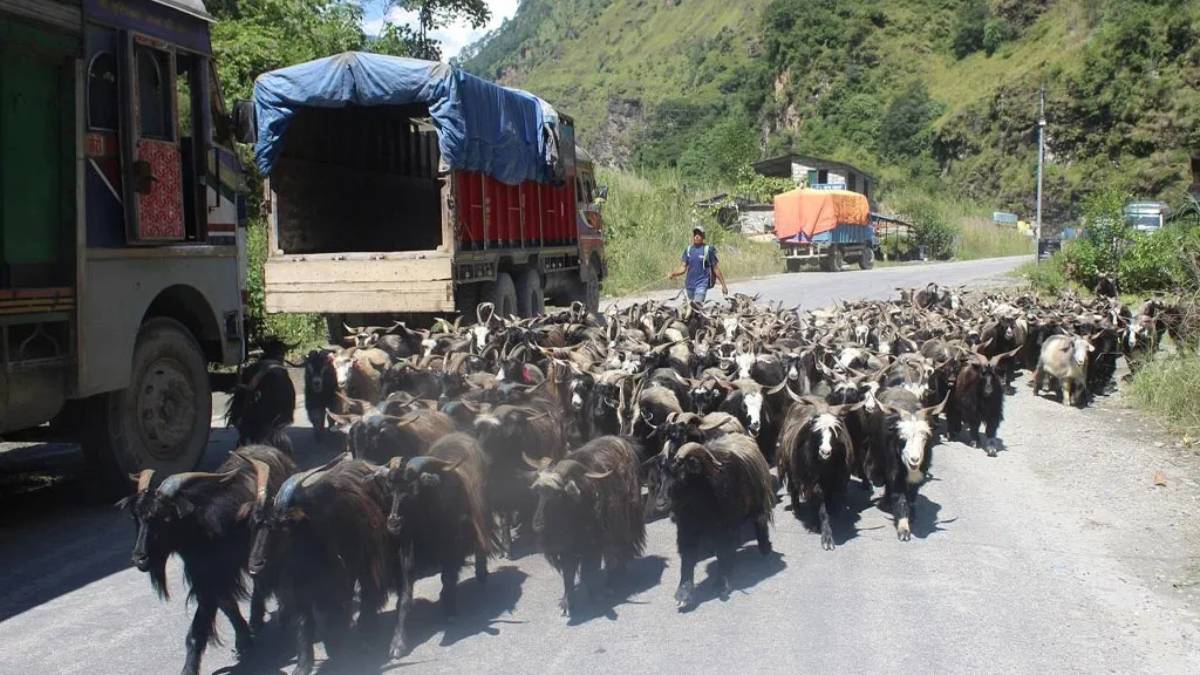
816,457
1064,358
900,452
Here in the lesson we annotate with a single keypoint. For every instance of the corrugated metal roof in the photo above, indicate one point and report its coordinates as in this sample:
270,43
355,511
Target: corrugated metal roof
784,162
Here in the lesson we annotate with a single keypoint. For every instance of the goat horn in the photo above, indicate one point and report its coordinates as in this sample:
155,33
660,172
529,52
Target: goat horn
313,474
171,486
142,479
598,476
262,474
393,463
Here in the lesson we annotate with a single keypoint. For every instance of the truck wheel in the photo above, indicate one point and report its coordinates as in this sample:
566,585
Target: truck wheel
832,262
587,291
501,293
793,264
531,299
161,420
867,261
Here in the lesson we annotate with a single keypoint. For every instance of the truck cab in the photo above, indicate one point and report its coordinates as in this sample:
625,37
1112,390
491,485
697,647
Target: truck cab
122,271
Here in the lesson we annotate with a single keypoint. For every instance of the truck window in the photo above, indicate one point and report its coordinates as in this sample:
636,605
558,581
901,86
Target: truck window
154,98
102,92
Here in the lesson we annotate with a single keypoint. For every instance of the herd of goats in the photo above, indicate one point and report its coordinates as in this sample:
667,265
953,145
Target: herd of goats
576,428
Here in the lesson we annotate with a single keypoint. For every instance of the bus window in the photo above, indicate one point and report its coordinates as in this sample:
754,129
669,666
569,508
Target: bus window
102,92
154,98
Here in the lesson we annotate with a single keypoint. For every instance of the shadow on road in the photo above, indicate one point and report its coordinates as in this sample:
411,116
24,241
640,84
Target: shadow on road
750,567
640,575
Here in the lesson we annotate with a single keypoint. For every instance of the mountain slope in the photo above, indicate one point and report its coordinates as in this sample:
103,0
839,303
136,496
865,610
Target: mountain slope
937,93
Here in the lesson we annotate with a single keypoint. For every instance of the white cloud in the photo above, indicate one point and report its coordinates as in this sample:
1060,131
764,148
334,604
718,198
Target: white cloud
453,37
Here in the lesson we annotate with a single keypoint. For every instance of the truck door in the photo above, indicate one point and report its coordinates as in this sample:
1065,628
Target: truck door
153,170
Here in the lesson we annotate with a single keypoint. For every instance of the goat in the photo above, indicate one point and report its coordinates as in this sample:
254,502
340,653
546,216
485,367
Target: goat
320,388
588,512
262,405
714,488
815,457
978,398
1065,359
439,516
899,451
202,518
327,529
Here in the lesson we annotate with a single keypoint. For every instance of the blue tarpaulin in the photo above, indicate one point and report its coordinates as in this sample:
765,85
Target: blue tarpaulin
481,126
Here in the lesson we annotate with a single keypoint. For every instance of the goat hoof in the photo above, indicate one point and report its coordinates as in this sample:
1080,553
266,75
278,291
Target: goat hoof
564,605
726,588
903,532
765,548
827,541
399,649
683,595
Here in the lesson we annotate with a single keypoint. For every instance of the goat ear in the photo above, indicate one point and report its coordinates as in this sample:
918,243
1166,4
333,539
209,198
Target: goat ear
572,489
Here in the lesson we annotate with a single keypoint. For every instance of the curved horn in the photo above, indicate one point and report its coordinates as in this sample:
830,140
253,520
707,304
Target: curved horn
541,464
598,476
393,463
173,484
262,475
142,479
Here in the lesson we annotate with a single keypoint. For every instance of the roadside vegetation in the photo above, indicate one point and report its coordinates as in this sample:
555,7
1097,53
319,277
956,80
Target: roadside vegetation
648,221
1164,264
306,331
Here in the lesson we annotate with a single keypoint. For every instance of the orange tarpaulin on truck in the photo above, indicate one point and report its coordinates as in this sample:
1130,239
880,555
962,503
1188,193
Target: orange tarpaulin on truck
811,212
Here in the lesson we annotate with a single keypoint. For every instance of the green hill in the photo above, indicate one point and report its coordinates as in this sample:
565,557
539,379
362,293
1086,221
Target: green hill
938,94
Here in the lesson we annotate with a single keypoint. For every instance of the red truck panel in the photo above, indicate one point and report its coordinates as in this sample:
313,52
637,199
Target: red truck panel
528,215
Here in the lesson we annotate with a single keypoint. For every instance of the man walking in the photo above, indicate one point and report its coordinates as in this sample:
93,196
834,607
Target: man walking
699,262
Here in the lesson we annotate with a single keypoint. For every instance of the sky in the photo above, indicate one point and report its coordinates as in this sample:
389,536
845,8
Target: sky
453,37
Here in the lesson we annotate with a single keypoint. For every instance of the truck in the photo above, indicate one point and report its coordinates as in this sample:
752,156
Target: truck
400,188
121,271
825,226
1146,216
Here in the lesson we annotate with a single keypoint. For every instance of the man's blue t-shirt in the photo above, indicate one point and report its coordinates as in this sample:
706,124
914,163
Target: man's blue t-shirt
697,271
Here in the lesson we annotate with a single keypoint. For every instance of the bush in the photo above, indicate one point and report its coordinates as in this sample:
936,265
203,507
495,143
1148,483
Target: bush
995,33
930,228
307,331
1046,278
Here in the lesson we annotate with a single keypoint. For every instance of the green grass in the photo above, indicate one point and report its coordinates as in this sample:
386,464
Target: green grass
979,238
1169,389
648,222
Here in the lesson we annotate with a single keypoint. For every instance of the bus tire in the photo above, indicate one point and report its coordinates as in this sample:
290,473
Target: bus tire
161,420
502,293
531,299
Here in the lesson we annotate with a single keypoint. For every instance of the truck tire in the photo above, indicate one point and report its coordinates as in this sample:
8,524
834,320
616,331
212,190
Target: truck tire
867,260
501,293
531,299
793,264
832,262
587,291
161,420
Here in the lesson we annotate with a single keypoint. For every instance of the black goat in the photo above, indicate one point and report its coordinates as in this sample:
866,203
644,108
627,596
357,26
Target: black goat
588,512
262,404
327,531
815,458
202,518
439,517
320,388
978,398
899,452
714,489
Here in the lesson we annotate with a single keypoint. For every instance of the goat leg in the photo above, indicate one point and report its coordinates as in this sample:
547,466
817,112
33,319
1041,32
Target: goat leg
822,500
258,607
506,533
404,592
449,597
244,640
991,426
569,565
481,568
198,635
688,557
763,534
305,628
726,546
900,508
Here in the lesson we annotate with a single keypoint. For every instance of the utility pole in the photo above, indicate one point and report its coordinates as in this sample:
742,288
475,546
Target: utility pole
1041,160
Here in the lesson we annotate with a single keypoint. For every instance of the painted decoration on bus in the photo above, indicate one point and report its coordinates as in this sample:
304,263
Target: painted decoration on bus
160,210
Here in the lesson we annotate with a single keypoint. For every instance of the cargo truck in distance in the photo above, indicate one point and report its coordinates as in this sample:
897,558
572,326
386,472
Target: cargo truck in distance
398,187
826,227
120,272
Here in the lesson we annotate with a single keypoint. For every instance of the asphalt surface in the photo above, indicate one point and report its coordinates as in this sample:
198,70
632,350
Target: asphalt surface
1059,555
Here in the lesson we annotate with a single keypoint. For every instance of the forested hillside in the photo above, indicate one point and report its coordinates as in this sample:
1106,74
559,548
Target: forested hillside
937,93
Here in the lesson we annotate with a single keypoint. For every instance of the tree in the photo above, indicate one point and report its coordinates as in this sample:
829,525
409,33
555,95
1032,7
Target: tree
904,131
969,27
434,14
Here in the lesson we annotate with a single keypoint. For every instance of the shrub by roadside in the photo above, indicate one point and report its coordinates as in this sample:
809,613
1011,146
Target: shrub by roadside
1169,389
307,330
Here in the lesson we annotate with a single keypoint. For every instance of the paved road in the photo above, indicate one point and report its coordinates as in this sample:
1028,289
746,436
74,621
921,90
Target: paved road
1059,555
